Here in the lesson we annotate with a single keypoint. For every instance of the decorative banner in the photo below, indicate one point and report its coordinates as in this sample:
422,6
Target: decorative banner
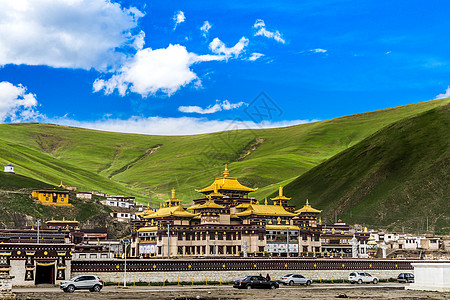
5,253
61,253
31,253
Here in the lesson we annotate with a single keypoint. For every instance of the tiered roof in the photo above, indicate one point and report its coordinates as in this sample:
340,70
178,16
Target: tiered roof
307,209
226,183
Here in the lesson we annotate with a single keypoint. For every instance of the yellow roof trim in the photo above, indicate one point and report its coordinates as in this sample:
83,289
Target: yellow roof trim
307,209
265,210
282,227
210,204
149,228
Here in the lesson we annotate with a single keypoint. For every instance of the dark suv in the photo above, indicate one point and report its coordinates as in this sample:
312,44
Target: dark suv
255,282
405,277
82,282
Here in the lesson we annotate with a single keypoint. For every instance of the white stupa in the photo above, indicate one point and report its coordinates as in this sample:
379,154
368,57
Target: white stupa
9,169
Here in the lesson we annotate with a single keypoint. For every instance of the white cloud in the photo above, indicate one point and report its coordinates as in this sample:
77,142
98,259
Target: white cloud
205,28
65,34
218,106
16,104
178,18
172,126
445,95
218,47
318,50
163,70
255,56
260,26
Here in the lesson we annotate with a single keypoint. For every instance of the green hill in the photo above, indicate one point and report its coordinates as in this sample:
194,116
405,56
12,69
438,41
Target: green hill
396,177
17,208
149,166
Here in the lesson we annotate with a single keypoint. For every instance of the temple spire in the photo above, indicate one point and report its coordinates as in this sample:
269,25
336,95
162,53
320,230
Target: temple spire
265,201
225,172
173,193
280,191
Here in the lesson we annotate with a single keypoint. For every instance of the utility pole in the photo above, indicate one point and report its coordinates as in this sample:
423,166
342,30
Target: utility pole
168,240
38,223
126,242
287,242
427,224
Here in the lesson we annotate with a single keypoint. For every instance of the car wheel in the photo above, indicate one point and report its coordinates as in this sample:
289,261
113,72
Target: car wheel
273,286
249,287
291,282
70,289
308,283
375,281
97,288
359,281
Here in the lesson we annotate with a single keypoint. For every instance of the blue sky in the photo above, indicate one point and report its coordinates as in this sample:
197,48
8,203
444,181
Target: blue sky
187,67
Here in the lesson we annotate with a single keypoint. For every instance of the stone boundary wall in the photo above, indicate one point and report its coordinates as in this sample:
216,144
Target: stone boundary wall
226,270
177,265
228,276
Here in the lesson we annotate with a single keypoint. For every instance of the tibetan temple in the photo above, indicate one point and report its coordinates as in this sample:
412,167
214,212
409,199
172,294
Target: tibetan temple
225,221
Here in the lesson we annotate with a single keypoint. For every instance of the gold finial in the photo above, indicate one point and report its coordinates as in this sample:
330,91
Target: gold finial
160,205
226,173
148,205
365,229
307,202
332,231
64,219
173,193
265,201
320,221
280,191
216,190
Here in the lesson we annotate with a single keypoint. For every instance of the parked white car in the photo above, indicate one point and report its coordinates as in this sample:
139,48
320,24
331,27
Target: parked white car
360,277
292,279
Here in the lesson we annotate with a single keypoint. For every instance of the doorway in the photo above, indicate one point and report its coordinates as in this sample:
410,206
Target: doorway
45,274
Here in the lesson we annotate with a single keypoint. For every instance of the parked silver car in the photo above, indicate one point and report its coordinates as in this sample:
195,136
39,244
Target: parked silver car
292,279
82,282
360,277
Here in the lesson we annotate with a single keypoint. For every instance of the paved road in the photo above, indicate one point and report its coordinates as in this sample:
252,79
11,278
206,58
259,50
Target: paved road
174,288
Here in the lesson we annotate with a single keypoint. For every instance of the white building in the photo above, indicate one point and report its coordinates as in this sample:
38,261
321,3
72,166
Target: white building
9,169
84,195
120,201
124,217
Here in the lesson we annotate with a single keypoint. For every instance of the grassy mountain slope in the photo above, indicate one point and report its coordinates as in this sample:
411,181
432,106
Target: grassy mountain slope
149,166
396,177
18,208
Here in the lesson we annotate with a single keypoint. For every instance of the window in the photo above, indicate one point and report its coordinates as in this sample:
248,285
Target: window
212,236
220,236
260,236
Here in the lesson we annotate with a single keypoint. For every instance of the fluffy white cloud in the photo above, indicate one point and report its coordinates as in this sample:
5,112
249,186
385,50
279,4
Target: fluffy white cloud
218,106
445,95
205,28
255,56
218,47
171,126
16,104
162,70
260,27
178,18
66,33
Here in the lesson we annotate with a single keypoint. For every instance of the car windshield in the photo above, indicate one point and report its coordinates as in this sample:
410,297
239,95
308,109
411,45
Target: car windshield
352,274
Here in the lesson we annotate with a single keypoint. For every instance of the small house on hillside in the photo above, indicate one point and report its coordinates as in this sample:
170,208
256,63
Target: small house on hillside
9,169
59,198
84,195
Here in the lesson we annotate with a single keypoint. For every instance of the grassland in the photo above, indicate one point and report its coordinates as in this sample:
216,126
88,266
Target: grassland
149,166
396,177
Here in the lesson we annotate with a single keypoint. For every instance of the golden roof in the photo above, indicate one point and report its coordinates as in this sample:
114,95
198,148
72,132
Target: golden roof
265,210
226,183
307,209
243,205
210,204
282,227
173,200
148,228
176,211
195,206
280,195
